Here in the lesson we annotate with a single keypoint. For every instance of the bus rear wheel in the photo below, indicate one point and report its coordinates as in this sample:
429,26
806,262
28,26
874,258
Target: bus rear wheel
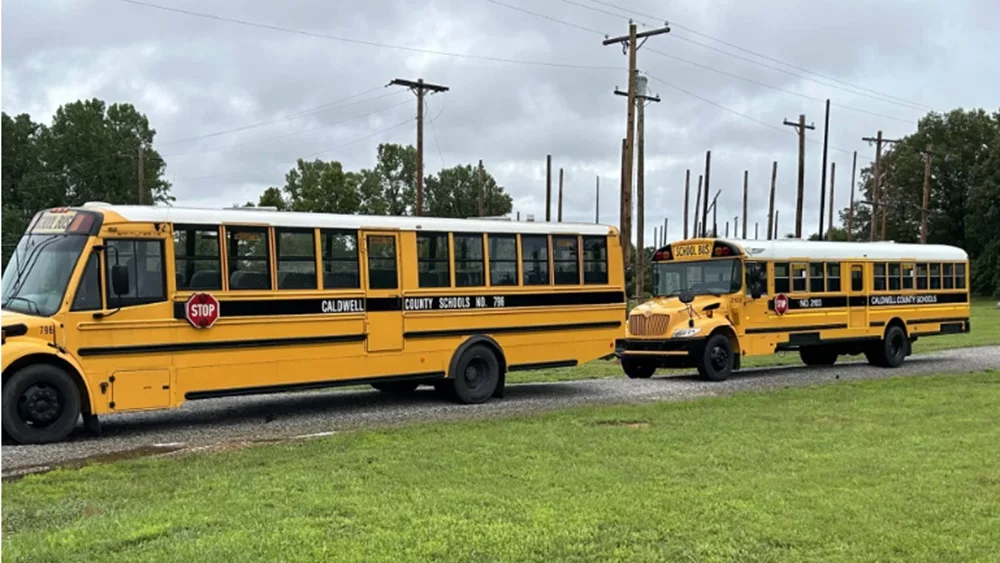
477,375
41,405
397,387
891,350
818,356
638,369
716,361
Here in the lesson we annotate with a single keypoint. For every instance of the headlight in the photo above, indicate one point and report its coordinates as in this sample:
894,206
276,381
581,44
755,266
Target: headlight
686,332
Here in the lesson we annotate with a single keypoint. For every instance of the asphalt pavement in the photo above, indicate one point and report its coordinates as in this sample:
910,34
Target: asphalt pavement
238,420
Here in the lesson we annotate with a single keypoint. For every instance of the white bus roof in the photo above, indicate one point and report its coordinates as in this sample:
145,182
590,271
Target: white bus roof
790,249
254,216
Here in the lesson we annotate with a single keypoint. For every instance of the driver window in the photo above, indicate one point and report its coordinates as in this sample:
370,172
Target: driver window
88,293
144,261
763,277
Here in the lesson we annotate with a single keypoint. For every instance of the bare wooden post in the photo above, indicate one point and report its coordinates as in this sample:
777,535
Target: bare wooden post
746,174
927,192
833,174
548,188
770,211
697,207
850,210
687,195
560,193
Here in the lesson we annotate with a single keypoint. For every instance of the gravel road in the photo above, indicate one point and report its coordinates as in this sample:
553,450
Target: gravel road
209,423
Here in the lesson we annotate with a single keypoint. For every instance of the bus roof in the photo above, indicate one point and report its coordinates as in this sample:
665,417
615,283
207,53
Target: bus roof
253,216
791,249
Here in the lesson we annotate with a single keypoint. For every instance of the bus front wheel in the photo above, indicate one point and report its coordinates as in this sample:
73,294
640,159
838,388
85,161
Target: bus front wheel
476,376
41,404
716,362
638,369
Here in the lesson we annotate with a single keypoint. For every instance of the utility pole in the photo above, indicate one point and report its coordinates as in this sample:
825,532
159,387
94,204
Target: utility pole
548,188
142,179
850,210
928,153
597,202
420,88
770,211
727,229
746,174
637,95
697,207
876,181
482,190
833,173
756,230
625,213
800,127
560,193
629,45
776,223
704,211
822,182
687,196
664,231
715,213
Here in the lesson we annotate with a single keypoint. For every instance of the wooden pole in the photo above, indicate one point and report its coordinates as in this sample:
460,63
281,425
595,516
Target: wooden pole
420,88
624,232
801,128
664,231
597,202
708,169
641,191
746,174
822,183
770,212
850,210
833,174
142,179
482,190
687,196
560,193
927,193
776,222
548,188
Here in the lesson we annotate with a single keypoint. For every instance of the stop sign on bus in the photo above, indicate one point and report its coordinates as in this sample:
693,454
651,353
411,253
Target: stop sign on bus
781,303
202,310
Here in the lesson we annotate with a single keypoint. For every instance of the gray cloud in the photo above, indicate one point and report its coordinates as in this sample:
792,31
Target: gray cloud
194,76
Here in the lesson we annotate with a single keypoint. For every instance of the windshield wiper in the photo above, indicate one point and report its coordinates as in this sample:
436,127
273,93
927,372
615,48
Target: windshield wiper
31,303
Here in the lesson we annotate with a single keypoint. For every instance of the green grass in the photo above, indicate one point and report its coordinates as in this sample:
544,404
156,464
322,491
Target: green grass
899,469
984,317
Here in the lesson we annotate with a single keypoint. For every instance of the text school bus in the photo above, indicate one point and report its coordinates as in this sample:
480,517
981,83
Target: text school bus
112,309
717,301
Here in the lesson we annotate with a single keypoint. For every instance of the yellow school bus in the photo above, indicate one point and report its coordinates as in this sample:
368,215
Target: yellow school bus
110,309
717,301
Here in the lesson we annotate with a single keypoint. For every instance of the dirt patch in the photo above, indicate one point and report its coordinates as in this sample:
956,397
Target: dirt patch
625,423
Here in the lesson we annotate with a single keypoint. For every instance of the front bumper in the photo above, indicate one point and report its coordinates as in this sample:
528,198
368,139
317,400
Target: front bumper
658,346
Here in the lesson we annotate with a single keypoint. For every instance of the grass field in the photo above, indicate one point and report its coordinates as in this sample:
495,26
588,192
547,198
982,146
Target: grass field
984,316
899,469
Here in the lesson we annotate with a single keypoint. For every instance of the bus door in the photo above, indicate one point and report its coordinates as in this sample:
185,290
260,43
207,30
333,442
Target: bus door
384,302
857,300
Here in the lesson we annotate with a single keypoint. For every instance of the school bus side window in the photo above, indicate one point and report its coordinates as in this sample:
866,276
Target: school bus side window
249,260
535,259
340,259
382,262
296,259
144,261
566,258
894,276
879,274
799,279
762,268
197,262
433,264
921,276
816,277
470,271
935,276
832,276
503,259
908,276
595,260
857,278
959,276
949,280
88,293
781,279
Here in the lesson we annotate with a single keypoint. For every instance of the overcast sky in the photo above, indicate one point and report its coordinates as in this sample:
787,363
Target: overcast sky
194,76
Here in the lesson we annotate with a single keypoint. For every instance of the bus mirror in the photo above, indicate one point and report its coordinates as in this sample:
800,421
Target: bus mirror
119,279
755,290
686,297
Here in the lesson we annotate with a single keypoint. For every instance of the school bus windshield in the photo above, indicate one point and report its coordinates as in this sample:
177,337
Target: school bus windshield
703,277
35,279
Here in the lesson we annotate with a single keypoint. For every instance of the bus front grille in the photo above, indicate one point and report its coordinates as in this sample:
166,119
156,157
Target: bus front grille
653,325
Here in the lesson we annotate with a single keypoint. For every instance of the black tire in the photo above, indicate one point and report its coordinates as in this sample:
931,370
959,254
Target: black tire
397,387
891,350
41,405
638,369
818,356
477,375
716,360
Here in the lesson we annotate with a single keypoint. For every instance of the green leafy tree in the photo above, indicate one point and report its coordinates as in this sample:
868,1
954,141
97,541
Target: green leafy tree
396,169
454,192
320,186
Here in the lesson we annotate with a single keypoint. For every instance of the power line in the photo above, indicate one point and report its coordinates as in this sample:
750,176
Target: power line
761,55
550,18
311,155
365,41
435,135
304,113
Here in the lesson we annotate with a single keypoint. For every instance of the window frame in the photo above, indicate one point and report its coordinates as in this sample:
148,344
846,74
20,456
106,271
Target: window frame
827,268
135,301
185,258
546,262
230,258
323,260
922,277
584,262
516,260
804,268
576,261
465,261
395,261
933,277
912,277
883,277
278,259
787,278
428,235
74,307
960,276
821,278
948,279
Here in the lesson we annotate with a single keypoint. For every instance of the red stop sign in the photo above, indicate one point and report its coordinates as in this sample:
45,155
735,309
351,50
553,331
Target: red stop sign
202,310
780,303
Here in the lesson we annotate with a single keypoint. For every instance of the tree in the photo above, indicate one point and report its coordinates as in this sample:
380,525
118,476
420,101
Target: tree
272,198
396,170
454,192
319,186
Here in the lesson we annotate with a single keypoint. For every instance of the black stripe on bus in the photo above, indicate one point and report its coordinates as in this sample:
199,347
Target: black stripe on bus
941,320
543,365
348,305
896,299
268,389
773,329
509,329
218,345
805,301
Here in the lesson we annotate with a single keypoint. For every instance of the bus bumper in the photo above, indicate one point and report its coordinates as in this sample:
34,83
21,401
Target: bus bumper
667,352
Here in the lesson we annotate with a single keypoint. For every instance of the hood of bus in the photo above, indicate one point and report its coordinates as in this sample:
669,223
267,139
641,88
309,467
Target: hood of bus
663,317
20,326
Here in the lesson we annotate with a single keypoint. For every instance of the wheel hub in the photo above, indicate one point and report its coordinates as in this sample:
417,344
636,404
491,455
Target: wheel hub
720,358
40,405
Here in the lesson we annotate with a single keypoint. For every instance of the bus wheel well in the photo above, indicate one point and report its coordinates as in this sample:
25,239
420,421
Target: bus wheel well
896,321
54,361
490,343
733,341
